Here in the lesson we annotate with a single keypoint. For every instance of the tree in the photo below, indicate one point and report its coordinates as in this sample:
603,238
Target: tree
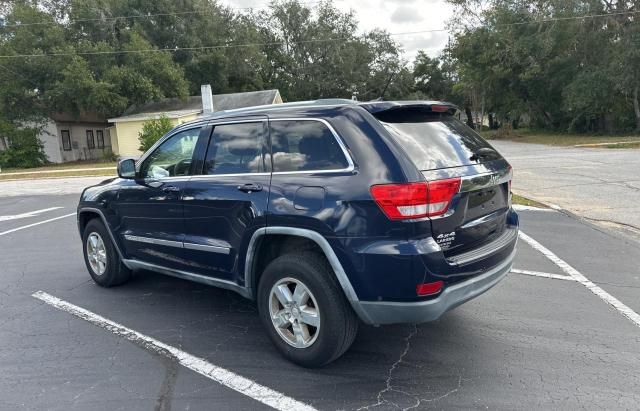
152,131
430,78
535,60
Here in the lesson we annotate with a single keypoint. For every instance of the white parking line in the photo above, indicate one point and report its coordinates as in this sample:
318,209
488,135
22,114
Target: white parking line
564,266
13,230
221,375
542,274
26,215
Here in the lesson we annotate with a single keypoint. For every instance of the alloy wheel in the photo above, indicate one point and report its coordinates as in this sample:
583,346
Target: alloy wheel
294,312
96,253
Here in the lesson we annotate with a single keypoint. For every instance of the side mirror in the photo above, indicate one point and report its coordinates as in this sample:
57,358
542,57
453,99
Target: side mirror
127,168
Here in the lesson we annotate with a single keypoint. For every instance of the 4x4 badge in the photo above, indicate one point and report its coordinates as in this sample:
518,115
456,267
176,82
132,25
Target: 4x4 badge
446,239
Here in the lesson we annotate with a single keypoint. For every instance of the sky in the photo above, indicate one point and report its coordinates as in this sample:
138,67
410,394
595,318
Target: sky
395,16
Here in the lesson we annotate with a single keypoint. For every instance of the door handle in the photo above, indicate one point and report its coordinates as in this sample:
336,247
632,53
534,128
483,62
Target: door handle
250,187
170,189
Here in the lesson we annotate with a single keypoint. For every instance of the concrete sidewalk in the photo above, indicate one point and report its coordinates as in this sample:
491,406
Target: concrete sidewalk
599,184
47,186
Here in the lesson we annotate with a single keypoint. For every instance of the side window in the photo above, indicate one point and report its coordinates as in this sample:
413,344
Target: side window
173,157
66,140
91,143
299,145
100,137
236,149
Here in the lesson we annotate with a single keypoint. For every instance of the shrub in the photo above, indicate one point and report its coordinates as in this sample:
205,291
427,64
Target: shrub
25,149
152,130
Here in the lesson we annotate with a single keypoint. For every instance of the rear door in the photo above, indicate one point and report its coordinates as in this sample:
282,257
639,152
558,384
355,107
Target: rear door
442,147
227,201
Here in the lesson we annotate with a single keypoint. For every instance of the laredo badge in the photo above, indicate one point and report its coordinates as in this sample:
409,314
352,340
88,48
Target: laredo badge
445,240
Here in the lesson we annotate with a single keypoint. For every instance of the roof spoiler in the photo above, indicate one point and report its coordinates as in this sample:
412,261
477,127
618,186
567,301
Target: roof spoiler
375,107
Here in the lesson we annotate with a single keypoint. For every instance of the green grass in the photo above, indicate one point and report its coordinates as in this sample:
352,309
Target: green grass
520,200
71,165
635,144
562,139
67,173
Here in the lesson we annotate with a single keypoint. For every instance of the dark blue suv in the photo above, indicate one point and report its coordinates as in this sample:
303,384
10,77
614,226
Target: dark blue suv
325,213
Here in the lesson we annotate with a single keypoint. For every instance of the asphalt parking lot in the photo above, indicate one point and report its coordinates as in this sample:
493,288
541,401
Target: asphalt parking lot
600,184
562,332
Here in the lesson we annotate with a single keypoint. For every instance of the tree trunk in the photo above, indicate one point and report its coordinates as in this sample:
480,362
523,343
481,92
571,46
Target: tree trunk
481,112
636,107
467,111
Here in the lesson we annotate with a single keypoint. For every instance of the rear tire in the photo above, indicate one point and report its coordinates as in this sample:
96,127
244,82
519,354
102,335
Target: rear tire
101,257
318,300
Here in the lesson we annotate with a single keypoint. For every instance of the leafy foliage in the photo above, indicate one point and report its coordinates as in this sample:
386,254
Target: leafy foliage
24,149
508,60
532,60
152,130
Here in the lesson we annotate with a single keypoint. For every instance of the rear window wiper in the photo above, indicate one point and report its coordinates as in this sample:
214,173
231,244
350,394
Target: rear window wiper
483,153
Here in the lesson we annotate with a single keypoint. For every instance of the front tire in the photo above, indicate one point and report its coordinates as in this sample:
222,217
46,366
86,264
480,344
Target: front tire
101,257
304,310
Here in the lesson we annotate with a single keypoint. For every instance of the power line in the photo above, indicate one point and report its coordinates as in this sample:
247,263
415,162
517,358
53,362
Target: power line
589,16
219,46
279,43
140,16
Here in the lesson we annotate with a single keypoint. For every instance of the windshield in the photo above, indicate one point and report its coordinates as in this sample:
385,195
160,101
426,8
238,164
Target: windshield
440,142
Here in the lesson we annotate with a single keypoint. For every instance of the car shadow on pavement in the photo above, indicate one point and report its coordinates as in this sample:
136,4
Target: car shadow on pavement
398,364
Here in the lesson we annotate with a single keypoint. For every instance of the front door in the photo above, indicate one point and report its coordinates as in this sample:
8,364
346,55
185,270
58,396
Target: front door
151,210
227,202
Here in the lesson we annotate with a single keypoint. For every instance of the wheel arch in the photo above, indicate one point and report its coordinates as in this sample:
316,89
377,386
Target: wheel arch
256,243
87,214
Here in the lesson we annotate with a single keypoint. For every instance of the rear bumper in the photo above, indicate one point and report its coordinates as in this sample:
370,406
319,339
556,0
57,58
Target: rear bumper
385,312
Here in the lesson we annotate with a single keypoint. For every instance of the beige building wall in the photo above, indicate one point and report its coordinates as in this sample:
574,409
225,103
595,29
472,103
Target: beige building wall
79,149
126,141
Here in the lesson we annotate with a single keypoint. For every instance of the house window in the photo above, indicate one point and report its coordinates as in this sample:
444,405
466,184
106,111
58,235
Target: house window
66,140
100,137
91,142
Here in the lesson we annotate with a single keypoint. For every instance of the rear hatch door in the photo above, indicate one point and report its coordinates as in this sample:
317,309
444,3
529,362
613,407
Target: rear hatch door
443,147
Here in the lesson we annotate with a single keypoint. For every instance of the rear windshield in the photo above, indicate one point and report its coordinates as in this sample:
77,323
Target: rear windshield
437,141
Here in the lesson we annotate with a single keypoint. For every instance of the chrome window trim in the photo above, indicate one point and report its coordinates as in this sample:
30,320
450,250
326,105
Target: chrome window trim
156,241
201,177
343,147
165,179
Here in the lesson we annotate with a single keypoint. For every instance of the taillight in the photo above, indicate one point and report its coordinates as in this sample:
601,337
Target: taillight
429,288
440,194
415,200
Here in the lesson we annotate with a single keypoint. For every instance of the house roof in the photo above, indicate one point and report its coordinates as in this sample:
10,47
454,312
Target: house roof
177,108
81,117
